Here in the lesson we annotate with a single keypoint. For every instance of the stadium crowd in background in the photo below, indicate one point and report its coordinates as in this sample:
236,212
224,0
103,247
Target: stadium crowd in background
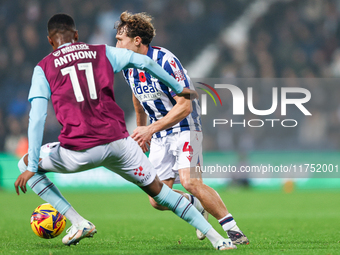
299,39
293,39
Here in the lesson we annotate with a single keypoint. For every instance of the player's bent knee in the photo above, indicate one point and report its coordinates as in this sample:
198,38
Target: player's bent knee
21,164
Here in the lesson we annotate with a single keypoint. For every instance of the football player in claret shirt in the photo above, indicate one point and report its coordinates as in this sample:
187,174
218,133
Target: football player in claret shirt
175,130
78,78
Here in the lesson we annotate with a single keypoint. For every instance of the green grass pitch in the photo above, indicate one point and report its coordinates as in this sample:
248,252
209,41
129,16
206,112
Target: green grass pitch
275,223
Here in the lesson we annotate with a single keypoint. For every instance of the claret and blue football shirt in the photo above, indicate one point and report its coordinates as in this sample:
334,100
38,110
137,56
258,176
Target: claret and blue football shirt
78,78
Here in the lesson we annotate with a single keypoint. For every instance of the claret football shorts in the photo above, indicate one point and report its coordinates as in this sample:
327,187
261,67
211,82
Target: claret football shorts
176,151
123,157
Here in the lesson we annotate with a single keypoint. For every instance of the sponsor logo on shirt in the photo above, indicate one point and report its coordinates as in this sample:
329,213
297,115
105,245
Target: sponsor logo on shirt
57,53
145,92
179,75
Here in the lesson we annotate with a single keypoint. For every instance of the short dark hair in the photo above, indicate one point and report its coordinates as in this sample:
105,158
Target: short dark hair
138,24
60,23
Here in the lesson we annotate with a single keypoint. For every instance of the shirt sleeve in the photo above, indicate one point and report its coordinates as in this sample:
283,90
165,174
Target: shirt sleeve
40,86
175,69
119,58
36,125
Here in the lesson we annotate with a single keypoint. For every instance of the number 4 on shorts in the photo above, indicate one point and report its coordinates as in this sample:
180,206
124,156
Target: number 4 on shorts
187,147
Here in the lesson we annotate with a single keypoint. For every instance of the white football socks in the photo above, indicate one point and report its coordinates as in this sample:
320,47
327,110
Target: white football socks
195,202
74,217
228,223
213,236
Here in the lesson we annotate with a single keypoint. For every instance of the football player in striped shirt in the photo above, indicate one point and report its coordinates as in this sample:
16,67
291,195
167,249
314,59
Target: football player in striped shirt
175,130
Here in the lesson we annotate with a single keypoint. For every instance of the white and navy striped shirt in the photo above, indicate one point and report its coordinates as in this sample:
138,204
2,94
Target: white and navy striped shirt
156,98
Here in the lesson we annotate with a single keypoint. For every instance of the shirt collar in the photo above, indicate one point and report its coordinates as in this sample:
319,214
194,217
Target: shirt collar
65,44
150,52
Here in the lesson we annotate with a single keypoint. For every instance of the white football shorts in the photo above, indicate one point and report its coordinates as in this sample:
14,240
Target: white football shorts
123,157
176,151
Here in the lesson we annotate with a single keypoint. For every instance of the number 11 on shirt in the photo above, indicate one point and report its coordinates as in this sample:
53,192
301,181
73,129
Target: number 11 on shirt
71,70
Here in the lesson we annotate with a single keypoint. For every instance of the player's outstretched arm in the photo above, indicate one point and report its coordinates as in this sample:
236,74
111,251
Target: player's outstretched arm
145,63
35,134
36,125
121,59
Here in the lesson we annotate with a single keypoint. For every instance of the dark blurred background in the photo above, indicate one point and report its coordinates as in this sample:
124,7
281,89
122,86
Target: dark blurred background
289,39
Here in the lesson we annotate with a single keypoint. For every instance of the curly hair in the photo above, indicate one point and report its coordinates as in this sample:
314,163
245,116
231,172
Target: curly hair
138,24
